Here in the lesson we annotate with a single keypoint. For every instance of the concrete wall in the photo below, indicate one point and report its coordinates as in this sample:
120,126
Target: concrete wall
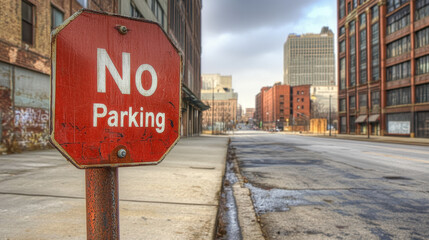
24,109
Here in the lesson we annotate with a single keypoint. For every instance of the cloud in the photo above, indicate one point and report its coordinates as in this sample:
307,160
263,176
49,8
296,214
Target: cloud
244,38
241,15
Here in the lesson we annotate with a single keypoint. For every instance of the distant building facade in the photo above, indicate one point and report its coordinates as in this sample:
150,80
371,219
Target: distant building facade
283,106
211,81
182,21
250,112
239,113
309,59
324,100
383,67
222,100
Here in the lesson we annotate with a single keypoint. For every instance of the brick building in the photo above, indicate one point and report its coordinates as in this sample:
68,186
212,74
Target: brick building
249,114
217,93
383,67
25,27
283,106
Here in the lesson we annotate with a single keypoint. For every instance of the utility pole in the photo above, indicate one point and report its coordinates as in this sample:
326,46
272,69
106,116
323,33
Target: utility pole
213,106
367,112
330,124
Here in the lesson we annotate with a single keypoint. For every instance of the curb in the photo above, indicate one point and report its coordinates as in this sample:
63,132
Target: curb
395,141
247,218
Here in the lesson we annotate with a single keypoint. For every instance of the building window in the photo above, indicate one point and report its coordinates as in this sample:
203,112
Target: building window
352,124
57,17
135,12
422,124
352,27
343,126
157,10
374,12
398,47
399,96
355,4
342,30
422,37
375,98
342,73
342,12
297,99
422,93
398,20
363,100
352,61
342,46
398,71
352,102
362,1
422,9
349,7
422,65
342,105
363,77
394,4
362,19
398,123
375,52
27,21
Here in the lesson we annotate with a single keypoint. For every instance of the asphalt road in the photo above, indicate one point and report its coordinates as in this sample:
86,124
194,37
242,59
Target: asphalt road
322,188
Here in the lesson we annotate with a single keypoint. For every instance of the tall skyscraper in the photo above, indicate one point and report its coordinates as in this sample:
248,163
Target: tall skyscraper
383,67
309,59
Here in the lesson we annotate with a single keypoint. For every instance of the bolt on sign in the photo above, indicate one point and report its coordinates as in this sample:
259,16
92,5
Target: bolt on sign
115,98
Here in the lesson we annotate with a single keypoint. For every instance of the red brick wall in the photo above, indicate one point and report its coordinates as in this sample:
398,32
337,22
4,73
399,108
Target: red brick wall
303,94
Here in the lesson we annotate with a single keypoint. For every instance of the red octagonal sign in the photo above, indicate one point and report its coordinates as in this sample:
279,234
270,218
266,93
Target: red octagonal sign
115,91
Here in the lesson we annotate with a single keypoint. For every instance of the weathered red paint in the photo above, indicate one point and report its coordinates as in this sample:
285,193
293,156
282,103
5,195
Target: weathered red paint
74,90
102,203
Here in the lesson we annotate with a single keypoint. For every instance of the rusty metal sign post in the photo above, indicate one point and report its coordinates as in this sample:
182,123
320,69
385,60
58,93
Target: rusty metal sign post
115,101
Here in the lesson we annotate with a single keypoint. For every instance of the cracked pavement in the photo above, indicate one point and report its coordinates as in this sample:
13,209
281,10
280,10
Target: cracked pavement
318,188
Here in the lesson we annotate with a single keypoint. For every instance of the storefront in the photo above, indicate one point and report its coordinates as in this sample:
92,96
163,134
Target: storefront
422,124
398,123
374,121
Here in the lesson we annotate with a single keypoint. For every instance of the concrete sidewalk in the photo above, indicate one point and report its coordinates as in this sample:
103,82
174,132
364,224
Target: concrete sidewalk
372,138
42,196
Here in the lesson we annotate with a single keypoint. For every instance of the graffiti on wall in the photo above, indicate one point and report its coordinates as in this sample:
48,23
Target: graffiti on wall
31,128
6,117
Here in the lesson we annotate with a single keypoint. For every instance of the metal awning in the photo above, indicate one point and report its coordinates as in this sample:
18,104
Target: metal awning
190,96
374,118
361,119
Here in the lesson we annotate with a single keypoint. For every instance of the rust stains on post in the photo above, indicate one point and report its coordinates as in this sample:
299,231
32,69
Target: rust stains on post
102,203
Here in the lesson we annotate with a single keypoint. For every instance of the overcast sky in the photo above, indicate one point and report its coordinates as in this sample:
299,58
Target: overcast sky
244,38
